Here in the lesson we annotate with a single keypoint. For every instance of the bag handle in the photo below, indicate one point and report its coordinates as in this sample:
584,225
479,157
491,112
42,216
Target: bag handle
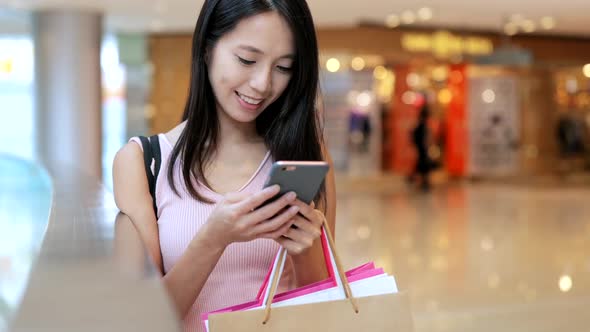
339,275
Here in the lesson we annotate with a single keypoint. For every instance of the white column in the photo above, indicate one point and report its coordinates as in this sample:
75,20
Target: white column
68,89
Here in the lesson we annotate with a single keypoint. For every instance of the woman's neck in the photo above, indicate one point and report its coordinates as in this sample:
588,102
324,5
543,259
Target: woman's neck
233,132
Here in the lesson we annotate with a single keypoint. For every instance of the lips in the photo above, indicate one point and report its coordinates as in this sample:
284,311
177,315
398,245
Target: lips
250,100
248,103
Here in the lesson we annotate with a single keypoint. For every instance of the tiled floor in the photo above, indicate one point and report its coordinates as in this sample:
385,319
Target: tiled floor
478,257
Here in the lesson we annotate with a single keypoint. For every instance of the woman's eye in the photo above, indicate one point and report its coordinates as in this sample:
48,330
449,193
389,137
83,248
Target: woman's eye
246,62
284,69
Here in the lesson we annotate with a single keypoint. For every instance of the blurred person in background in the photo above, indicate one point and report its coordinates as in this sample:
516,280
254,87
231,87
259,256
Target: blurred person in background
359,130
421,138
570,134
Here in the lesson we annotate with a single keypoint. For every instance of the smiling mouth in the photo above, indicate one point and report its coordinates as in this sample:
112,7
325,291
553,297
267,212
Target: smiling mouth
249,100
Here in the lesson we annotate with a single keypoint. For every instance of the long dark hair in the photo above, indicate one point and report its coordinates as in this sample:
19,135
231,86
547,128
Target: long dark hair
290,126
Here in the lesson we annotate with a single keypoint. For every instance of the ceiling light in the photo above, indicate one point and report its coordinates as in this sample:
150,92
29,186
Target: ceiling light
587,70
425,14
565,283
487,244
392,21
358,63
511,29
528,26
445,96
408,17
440,73
488,96
333,65
364,99
380,73
413,80
548,23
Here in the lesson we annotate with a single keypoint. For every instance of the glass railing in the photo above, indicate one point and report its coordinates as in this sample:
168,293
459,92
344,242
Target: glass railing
25,201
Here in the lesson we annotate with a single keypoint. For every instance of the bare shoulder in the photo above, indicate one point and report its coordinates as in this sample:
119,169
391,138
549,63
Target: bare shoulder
129,180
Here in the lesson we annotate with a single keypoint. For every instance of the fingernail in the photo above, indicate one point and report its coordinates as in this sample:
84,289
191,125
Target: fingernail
291,196
294,209
276,187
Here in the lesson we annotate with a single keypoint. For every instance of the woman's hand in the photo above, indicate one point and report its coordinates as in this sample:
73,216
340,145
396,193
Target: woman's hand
237,219
309,227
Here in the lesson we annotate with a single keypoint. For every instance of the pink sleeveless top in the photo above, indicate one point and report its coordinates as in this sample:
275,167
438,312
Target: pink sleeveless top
238,275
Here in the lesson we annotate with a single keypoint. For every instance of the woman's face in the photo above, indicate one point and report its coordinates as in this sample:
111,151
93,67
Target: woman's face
250,67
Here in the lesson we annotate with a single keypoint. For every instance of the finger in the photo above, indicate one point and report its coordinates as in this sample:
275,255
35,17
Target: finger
292,247
276,223
254,200
279,232
315,216
300,236
270,210
307,226
320,219
305,209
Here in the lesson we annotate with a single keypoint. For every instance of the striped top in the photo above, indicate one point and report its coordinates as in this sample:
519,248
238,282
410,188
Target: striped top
238,275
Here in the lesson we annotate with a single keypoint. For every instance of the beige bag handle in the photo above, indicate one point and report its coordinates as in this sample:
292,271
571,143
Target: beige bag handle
274,282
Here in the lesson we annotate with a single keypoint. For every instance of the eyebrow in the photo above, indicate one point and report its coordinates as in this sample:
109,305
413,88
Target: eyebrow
255,50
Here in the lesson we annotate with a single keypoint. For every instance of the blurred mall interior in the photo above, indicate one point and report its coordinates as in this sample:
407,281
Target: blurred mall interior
500,240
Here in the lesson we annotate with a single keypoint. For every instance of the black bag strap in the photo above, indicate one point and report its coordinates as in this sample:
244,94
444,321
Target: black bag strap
151,152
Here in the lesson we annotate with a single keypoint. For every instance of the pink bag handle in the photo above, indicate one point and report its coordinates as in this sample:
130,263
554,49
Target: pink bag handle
333,263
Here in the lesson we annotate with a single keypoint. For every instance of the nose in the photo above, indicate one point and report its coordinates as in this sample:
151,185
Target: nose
261,81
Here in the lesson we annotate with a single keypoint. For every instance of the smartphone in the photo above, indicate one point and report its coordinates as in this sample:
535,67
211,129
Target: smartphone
302,177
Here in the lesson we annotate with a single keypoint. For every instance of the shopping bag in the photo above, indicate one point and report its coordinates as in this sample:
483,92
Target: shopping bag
362,299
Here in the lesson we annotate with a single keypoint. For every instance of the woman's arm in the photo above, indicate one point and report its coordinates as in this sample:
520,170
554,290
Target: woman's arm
233,220
185,281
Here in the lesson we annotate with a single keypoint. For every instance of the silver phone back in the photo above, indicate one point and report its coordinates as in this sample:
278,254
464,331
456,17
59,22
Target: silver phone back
302,177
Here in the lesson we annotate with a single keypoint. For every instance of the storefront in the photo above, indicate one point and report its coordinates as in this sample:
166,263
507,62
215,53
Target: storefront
494,102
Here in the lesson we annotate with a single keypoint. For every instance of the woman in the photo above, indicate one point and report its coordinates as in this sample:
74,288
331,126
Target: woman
254,78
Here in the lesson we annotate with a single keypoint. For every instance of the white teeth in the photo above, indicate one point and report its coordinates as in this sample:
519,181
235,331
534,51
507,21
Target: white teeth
249,100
